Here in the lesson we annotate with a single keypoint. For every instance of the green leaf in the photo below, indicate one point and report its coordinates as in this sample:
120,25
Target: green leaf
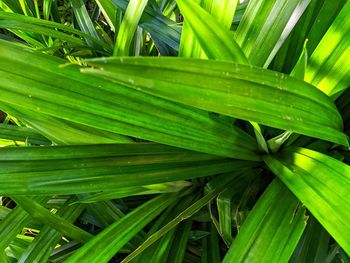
163,30
329,65
168,187
179,245
160,247
84,20
265,26
301,65
93,168
35,210
313,245
62,131
205,27
47,9
40,26
109,12
321,183
312,26
106,213
275,143
128,27
102,247
210,250
4,211
43,244
221,11
36,82
224,11
260,138
239,91
272,230
214,187
13,223
17,133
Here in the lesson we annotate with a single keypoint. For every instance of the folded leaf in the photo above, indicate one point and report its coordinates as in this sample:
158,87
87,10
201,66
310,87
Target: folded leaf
162,29
195,27
84,21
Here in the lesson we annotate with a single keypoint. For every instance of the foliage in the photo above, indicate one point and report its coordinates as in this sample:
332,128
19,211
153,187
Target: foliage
174,131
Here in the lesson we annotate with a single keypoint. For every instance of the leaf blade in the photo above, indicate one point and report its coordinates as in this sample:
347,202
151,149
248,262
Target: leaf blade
245,92
308,184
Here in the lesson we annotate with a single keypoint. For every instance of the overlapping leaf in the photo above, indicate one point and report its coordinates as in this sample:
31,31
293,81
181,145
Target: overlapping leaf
82,169
35,82
329,66
265,26
272,229
239,91
322,184
204,27
103,247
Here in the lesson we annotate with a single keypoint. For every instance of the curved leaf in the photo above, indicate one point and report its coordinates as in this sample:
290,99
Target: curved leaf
35,82
244,92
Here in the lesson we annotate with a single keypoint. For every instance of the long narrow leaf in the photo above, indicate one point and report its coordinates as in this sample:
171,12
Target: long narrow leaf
90,101
205,27
213,189
265,26
272,230
329,65
42,214
103,247
128,27
16,133
240,91
83,169
40,249
322,184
